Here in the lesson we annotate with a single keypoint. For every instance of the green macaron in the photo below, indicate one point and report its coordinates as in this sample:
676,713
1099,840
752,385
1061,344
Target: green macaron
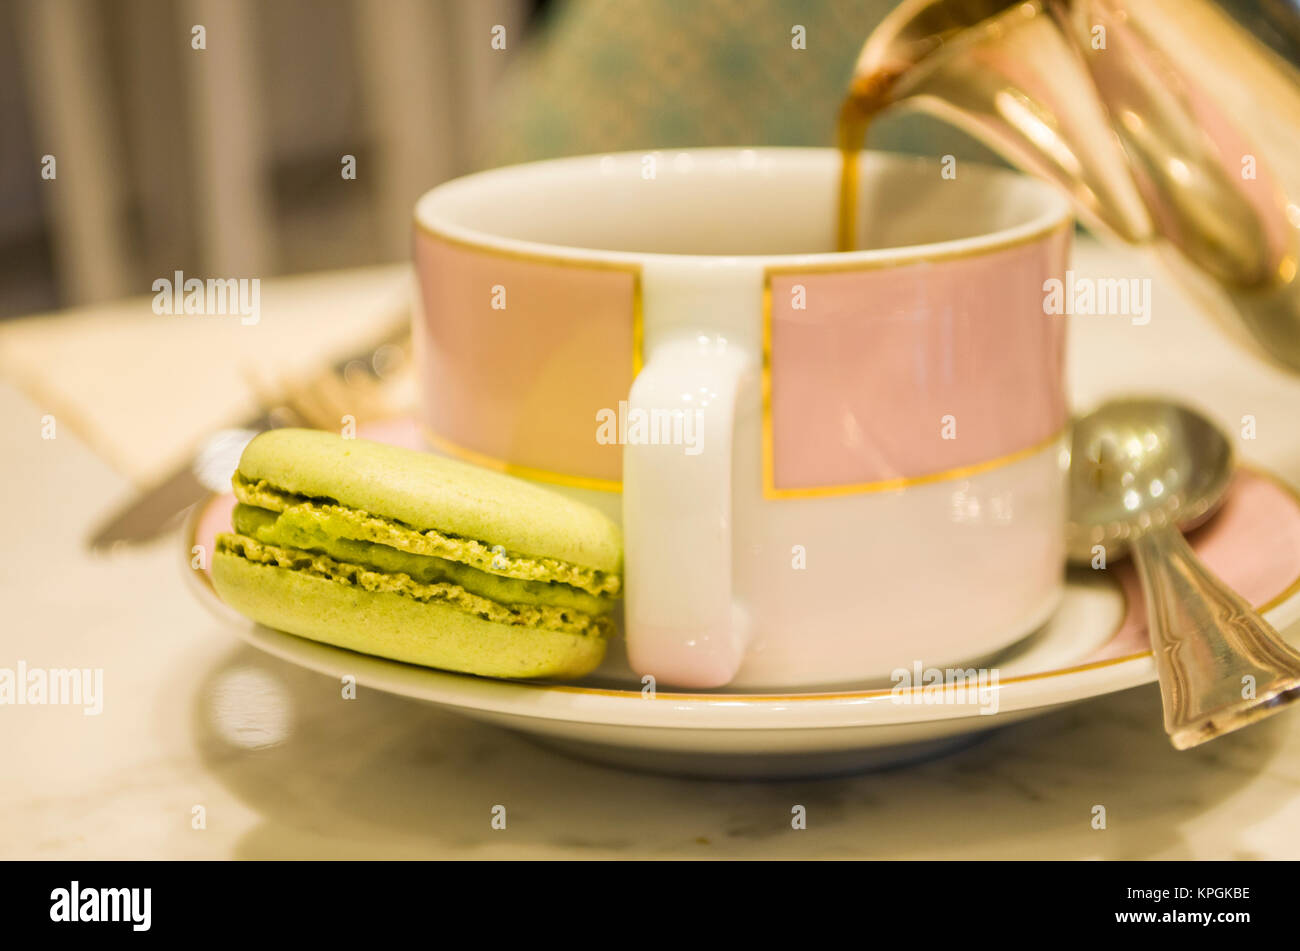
418,558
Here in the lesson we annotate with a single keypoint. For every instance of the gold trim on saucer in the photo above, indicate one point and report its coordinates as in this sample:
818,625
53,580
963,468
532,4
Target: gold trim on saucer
851,695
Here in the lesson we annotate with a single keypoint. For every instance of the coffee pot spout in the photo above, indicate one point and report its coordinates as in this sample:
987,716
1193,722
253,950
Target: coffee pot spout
1165,121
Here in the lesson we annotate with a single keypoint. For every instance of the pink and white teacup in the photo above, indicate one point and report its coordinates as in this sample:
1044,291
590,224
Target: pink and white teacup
827,465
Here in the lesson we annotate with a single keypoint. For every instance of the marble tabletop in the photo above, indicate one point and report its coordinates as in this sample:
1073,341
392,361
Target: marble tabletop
206,748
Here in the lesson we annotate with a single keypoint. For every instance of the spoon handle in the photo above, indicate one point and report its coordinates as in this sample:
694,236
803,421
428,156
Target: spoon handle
1221,665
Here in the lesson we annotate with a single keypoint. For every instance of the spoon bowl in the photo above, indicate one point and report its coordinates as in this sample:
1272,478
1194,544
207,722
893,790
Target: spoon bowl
1141,470
1139,463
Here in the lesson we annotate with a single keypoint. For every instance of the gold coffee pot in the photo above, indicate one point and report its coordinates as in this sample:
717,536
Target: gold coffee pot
1166,122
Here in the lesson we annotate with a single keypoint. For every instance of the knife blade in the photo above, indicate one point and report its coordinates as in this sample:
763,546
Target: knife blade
160,507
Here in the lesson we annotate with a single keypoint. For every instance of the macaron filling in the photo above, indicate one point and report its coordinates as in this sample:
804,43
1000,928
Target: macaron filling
566,620
328,518
296,529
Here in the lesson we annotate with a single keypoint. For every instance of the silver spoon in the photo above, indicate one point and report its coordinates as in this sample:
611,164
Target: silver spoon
1141,470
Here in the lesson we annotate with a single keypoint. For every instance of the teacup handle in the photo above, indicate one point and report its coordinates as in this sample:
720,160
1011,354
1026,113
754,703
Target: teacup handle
681,627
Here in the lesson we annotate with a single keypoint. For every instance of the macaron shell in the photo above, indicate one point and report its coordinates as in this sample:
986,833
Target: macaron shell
397,627
427,491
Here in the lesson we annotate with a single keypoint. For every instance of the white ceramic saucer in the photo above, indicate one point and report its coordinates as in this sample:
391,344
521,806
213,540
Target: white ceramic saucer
1094,645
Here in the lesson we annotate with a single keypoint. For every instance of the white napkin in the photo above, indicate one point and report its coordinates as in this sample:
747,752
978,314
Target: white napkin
143,390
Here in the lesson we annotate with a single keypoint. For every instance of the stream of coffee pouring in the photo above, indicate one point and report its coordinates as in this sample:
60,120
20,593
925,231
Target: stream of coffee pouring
1111,100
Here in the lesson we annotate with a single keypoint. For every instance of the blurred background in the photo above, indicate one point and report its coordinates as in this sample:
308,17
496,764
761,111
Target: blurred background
227,160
